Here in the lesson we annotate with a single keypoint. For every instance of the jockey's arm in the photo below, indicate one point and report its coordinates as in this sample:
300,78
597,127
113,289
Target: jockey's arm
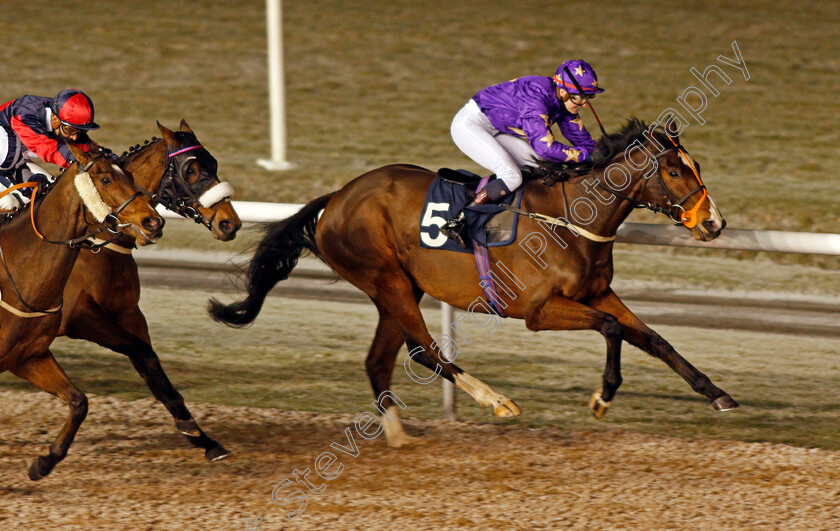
571,126
536,126
34,136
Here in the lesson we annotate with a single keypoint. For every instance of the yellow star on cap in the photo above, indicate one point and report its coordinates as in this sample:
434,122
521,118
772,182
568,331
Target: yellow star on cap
579,71
548,138
579,122
572,154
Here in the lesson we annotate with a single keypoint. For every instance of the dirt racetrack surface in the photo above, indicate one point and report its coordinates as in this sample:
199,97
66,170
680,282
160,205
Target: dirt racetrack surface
129,469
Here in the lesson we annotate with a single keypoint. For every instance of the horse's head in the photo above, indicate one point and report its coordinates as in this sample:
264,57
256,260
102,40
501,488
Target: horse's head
680,190
113,199
191,187
666,178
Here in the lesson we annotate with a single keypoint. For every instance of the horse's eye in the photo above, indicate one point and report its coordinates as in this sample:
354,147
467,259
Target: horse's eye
673,174
106,181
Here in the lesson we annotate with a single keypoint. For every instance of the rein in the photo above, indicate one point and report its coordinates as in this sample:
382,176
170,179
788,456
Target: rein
561,222
674,207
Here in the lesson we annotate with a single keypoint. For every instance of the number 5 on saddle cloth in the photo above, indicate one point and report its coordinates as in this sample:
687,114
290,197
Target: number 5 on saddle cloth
486,225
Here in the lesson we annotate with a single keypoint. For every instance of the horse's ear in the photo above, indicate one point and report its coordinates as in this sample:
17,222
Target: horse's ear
168,136
185,127
82,156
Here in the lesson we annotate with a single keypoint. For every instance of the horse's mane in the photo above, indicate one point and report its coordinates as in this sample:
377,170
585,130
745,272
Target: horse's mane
136,149
183,136
633,130
612,144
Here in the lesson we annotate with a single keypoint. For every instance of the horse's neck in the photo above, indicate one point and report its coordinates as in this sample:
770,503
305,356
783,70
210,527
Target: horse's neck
147,166
582,195
44,266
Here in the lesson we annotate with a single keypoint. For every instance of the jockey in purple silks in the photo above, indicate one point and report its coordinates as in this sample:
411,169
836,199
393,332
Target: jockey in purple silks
35,126
508,126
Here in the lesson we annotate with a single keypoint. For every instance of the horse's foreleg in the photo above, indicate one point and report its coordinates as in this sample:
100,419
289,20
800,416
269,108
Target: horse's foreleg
45,373
639,335
399,302
130,336
558,313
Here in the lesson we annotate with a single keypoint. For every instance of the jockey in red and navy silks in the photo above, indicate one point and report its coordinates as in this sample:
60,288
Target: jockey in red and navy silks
507,126
40,127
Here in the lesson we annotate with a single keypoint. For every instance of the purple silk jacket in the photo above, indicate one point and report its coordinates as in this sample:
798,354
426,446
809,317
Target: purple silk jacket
527,107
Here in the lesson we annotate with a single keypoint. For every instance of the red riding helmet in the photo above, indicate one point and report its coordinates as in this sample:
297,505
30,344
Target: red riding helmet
74,109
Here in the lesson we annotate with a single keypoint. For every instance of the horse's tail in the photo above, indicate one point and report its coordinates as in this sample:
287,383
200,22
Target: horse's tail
275,257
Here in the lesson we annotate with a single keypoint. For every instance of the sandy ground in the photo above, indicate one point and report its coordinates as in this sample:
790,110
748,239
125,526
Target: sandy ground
129,470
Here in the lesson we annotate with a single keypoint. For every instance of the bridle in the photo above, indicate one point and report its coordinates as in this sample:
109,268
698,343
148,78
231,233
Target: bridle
674,206
181,197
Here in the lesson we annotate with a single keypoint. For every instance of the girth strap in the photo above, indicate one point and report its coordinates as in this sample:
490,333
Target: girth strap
482,263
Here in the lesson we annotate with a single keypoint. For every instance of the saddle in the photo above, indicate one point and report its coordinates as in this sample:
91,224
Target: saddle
487,225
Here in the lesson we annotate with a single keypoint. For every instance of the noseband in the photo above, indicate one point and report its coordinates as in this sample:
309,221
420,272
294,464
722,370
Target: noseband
181,197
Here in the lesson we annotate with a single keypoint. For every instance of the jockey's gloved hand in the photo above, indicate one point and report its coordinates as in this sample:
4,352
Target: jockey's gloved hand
10,201
42,180
596,157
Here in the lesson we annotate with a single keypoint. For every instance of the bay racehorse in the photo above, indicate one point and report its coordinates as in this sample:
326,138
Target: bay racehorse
369,234
181,173
38,249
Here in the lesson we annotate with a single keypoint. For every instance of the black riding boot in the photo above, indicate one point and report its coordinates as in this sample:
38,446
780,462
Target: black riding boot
454,228
491,193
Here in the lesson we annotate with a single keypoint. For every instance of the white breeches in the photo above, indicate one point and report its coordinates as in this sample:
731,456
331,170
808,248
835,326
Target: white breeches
502,154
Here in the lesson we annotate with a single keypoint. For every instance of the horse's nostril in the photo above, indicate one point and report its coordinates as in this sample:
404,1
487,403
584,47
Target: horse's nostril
226,227
153,224
723,225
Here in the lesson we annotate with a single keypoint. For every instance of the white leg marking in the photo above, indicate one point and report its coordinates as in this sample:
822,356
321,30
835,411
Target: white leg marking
395,435
480,391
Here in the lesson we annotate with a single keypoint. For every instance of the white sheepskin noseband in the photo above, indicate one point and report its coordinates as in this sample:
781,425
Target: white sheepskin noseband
90,197
219,192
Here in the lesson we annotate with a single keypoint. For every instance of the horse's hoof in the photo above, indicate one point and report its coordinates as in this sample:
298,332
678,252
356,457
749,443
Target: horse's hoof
40,467
507,409
597,406
188,427
402,440
724,403
216,453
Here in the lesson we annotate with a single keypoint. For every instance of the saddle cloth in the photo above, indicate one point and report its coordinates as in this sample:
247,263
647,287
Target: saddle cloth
487,225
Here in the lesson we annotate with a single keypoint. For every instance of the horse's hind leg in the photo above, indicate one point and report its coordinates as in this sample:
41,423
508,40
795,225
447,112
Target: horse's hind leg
44,372
639,335
380,367
398,300
130,337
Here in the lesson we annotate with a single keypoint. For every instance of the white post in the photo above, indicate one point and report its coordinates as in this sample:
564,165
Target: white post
277,100
446,318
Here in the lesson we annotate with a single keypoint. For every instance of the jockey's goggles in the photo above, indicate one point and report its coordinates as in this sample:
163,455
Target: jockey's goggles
69,130
580,99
